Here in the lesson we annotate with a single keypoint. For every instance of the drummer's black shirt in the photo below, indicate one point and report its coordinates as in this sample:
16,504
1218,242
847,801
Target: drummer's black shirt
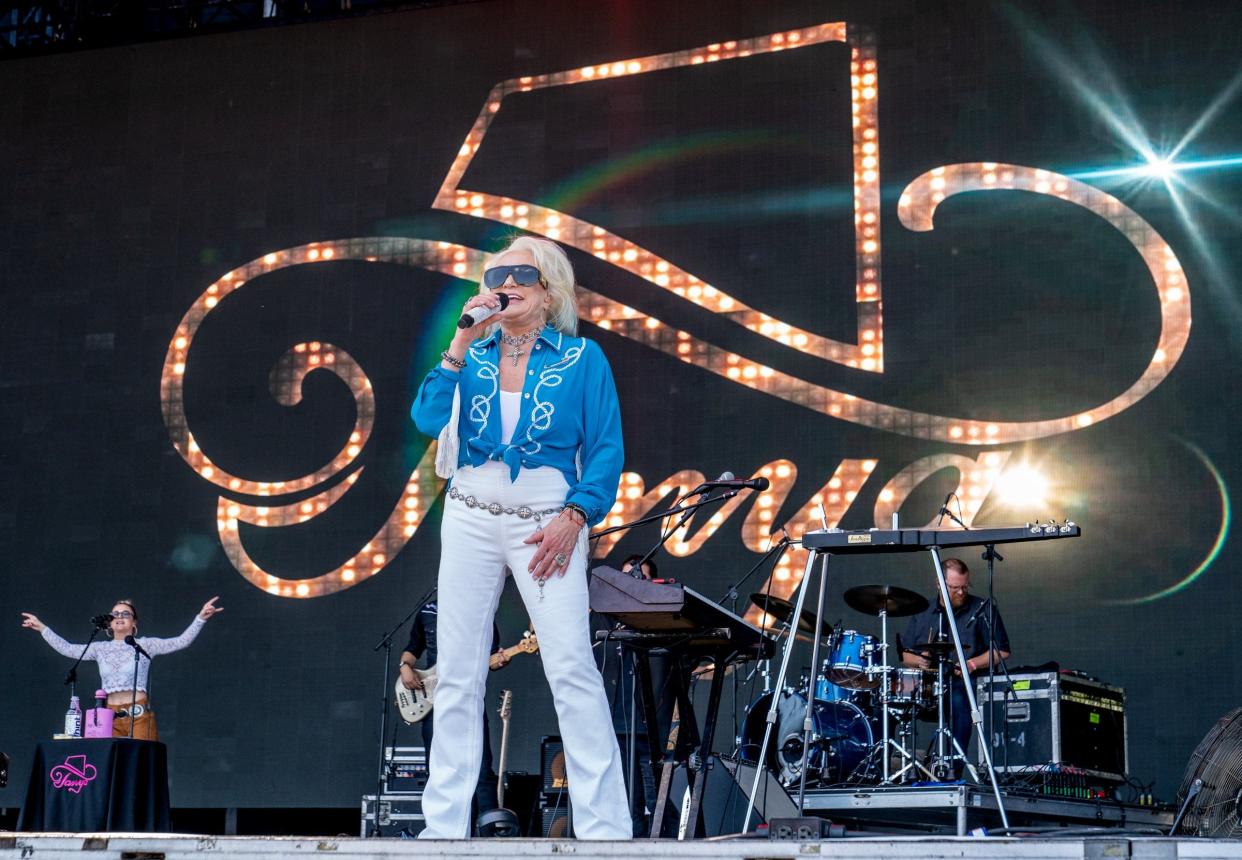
972,626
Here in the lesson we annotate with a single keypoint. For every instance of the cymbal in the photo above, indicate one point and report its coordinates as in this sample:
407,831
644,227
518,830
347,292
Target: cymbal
932,648
896,601
778,608
783,610
807,624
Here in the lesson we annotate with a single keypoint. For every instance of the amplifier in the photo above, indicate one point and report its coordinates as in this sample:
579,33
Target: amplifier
405,770
1053,718
552,763
556,817
397,812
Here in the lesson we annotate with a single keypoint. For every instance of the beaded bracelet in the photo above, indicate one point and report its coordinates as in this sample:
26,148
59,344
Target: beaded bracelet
459,363
578,509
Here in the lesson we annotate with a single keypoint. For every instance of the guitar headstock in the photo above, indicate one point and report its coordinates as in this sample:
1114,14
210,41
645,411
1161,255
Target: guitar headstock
506,704
529,643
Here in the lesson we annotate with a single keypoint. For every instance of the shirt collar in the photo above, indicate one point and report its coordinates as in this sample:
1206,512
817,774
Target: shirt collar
549,335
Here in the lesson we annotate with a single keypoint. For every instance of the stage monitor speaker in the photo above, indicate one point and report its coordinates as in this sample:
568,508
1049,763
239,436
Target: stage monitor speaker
725,797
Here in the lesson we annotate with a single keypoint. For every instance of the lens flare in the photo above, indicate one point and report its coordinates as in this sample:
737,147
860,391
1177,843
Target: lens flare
1023,486
1226,515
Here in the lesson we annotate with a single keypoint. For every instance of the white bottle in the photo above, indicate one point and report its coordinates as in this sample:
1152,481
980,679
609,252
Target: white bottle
73,718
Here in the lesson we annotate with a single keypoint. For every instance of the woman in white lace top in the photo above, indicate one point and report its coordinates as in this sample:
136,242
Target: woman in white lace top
116,662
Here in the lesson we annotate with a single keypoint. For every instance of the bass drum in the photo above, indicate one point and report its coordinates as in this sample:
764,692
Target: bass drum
841,738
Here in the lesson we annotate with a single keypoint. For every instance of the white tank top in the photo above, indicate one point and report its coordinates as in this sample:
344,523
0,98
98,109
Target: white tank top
510,410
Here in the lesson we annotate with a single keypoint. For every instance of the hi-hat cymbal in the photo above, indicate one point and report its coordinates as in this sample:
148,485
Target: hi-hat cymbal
896,601
932,648
783,610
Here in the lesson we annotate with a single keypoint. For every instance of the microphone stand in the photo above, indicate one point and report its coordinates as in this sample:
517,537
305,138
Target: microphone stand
731,592
386,643
685,517
991,556
651,518
133,702
779,548
71,677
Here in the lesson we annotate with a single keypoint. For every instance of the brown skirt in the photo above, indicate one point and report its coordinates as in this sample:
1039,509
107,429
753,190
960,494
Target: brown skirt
144,726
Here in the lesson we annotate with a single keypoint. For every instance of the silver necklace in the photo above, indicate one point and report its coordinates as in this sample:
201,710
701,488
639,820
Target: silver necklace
518,341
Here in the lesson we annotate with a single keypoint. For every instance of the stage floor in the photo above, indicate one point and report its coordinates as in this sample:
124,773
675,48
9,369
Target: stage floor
949,809
187,847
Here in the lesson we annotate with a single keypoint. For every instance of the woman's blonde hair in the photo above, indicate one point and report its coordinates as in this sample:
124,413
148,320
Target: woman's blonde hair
558,275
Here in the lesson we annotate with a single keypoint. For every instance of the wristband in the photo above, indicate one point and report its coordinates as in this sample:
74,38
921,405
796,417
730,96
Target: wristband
459,363
578,509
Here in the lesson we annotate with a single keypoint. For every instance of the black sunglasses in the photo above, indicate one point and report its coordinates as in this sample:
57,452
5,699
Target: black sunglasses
523,275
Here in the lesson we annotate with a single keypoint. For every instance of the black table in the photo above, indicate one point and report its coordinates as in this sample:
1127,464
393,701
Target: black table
112,784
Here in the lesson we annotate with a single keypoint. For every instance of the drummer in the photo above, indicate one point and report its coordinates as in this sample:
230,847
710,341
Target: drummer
972,616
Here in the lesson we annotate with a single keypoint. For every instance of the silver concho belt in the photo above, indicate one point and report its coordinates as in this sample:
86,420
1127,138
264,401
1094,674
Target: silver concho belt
496,509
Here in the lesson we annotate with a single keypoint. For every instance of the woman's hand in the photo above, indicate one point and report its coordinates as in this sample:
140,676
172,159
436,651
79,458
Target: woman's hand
463,337
32,622
209,609
558,538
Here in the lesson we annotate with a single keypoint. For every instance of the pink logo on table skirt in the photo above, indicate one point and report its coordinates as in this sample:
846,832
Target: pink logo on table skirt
74,774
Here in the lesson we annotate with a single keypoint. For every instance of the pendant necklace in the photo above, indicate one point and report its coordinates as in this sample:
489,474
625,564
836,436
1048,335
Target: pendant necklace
517,342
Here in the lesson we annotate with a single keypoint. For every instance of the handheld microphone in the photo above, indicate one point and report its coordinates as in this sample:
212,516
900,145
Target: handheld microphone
133,643
477,315
103,622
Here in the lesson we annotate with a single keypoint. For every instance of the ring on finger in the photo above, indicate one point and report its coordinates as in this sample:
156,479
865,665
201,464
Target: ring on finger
560,559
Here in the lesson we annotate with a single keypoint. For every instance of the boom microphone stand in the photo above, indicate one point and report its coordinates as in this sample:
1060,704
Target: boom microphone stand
991,556
71,677
386,643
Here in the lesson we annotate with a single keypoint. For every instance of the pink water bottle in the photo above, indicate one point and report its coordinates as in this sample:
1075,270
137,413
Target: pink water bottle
98,721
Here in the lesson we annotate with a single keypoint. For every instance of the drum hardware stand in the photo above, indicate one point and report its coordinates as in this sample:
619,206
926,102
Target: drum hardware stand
976,716
386,643
882,749
942,759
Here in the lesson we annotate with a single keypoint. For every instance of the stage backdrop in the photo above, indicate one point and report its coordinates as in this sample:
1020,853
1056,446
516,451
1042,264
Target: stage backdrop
876,252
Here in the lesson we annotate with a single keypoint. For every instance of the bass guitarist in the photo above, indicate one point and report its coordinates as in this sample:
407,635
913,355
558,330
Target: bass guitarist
423,642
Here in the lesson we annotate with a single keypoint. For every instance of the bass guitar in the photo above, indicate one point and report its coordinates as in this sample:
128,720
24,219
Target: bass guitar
414,705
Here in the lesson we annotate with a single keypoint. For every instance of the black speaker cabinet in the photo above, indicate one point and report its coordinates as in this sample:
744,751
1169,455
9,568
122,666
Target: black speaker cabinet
556,817
724,798
552,763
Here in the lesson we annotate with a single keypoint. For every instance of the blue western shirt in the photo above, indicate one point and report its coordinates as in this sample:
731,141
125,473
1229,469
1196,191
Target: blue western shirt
570,417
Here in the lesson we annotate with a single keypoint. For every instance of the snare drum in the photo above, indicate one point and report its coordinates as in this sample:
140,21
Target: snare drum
850,659
911,688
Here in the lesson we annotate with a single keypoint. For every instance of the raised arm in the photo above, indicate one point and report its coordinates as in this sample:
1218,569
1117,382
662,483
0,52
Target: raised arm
66,648
155,646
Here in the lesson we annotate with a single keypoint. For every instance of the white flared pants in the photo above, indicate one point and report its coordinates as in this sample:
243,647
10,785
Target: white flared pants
476,546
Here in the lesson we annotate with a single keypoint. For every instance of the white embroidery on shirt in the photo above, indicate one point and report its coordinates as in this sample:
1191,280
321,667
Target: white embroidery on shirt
481,404
543,410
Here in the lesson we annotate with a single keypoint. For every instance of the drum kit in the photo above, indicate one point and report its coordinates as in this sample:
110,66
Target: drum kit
864,709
